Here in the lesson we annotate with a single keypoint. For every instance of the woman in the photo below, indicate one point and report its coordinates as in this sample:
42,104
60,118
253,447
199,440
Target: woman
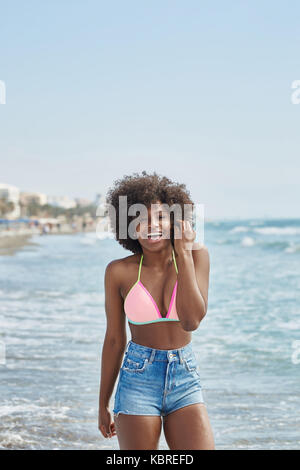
163,290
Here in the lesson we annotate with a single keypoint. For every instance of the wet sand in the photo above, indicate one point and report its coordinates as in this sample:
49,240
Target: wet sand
10,244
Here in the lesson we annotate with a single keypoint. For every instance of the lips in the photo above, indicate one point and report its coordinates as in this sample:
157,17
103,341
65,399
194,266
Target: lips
154,237
150,240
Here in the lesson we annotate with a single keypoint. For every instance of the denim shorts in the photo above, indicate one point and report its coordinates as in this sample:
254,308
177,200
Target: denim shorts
157,381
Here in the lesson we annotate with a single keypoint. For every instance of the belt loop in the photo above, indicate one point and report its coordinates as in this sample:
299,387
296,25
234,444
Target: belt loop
127,346
180,353
152,356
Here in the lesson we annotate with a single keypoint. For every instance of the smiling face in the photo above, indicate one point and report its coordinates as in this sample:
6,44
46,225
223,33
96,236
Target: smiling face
155,231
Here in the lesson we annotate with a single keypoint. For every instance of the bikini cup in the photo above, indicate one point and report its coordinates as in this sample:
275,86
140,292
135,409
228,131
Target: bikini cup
140,307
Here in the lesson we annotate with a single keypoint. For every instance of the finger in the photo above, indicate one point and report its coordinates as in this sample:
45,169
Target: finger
106,431
188,225
111,431
178,222
179,226
103,430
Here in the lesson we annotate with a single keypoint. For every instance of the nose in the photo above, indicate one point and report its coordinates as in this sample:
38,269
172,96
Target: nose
155,226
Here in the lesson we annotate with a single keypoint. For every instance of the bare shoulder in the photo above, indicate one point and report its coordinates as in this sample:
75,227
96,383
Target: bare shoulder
118,267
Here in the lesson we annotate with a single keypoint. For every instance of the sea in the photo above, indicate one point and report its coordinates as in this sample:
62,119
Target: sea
52,326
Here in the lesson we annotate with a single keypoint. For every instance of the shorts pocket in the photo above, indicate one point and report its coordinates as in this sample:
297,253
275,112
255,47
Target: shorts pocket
135,364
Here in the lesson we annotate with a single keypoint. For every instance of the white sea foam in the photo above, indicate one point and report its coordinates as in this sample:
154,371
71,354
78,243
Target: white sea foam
239,228
16,295
292,248
12,440
248,241
290,325
29,408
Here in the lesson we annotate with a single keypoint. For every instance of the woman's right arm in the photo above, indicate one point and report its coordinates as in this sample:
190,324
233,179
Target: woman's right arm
113,346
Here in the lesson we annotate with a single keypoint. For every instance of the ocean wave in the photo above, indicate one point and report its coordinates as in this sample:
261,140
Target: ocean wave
279,245
81,298
292,248
24,419
49,293
277,230
39,408
239,228
287,247
290,325
13,440
256,222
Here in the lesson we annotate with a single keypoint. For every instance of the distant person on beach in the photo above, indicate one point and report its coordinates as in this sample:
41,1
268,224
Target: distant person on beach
45,229
162,290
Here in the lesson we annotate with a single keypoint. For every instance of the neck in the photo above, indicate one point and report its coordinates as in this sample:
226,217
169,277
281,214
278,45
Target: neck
159,259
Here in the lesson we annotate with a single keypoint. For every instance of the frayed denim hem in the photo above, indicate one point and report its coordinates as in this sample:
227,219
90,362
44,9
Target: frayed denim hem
183,406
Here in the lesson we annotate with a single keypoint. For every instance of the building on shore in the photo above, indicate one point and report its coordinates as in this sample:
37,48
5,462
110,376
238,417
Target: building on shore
82,202
27,198
62,201
10,193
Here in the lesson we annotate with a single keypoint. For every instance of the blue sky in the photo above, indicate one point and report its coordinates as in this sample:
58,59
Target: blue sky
197,91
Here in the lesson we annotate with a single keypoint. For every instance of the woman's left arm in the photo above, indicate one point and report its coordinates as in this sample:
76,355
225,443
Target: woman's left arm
193,279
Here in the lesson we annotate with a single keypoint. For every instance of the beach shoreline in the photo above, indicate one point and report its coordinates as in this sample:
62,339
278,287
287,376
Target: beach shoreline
13,241
10,244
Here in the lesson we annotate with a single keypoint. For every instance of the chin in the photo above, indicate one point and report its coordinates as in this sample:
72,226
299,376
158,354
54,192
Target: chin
156,246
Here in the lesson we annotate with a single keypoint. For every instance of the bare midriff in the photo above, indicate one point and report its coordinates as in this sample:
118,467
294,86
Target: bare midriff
162,335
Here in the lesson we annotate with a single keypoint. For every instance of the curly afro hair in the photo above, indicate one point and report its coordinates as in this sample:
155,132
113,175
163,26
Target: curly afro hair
145,189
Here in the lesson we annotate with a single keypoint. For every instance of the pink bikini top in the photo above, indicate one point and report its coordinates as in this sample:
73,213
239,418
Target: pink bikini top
141,308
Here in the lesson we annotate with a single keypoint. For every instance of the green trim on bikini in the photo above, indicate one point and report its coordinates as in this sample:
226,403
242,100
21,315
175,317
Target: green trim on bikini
140,266
173,254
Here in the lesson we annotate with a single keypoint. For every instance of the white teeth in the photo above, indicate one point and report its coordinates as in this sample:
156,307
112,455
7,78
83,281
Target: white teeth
154,235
